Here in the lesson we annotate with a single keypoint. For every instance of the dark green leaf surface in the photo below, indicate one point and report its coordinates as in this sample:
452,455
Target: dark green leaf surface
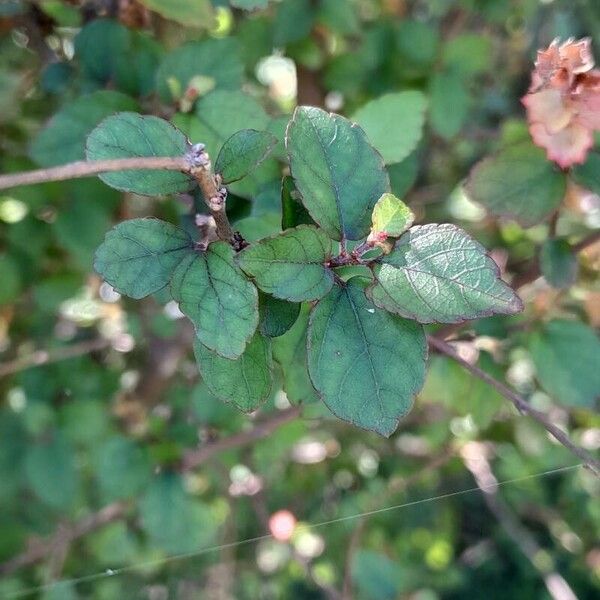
62,140
128,135
245,381
214,293
217,60
439,274
289,350
242,152
50,471
338,174
139,256
450,103
174,520
276,316
558,263
290,265
394,123
293,212
565,354
588,174
519,182
366,364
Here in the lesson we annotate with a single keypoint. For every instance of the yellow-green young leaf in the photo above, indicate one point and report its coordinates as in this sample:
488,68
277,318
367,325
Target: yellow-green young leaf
276,316
391,216
338,174
439,274
242,152
139,256
127,135
519,183
214,293
216,60
290,265
62,140
351,347
245,381
565,355
394,123
191,13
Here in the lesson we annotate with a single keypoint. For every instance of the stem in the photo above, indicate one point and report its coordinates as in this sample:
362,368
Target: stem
45,357
38,550
520,403
480,468
84,168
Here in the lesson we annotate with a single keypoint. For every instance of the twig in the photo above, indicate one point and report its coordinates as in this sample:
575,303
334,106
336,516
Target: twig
193,458
37,549
46,357
480,468
520,403
84,168
534,271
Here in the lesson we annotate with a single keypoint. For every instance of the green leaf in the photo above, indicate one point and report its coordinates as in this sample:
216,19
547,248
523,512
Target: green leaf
214,293
558,263
376,576
391,216
338,174
242,152
394,123
351,345
10,275
450,103
139,256
249,4
468,53
110,53
276,316
403,175
417,43
289,350
588,174
290,265
340,17
198,13
565,354
293,21
293,212
122,468
519,183
127,135
62,140
438,274
175,521
217,60
246,381
50,471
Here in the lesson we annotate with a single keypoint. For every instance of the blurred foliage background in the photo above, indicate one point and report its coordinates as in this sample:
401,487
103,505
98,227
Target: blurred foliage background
101,399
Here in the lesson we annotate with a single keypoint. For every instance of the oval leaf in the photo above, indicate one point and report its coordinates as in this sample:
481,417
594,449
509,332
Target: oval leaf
439,274
139,256
338,174
242,152
290,265
276,316
565,354
246,381
391,216
351,349
127,135
394,123
519,183
214,293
